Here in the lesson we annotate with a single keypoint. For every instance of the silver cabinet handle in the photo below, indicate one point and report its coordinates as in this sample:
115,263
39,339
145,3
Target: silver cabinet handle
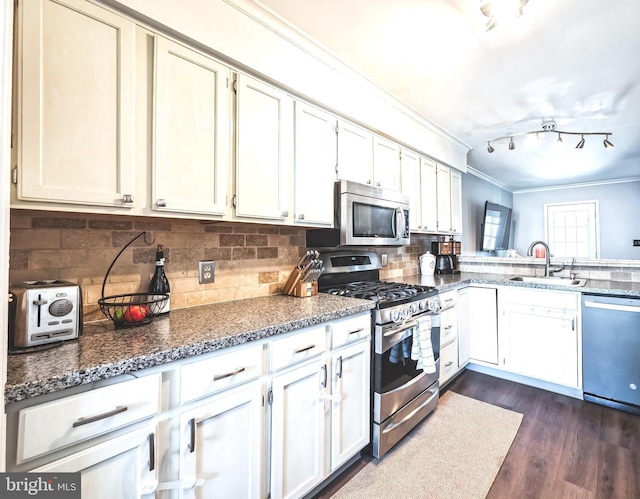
104,415
301,216
355,331
285,213
339,367
229,374
192,435
161,203
304,349
324,375
448,327
369,181
127,198
378,184
449,364
152,451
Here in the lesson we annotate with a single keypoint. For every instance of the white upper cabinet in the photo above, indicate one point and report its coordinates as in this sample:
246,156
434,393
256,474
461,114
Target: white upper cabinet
314,165
355,153
191,132
428,195
386,164
76,94
444,198
410,185
456,202
264,138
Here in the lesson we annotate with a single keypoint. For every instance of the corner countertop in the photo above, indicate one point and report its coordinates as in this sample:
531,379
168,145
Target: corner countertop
446,282
103,352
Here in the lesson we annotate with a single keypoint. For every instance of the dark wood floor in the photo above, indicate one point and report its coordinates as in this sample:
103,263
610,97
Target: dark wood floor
565,448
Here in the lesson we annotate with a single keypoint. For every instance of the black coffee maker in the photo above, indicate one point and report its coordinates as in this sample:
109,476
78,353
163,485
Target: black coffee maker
446,253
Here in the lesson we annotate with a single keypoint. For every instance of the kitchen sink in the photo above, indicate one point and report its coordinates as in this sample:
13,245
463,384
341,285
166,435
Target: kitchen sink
557,281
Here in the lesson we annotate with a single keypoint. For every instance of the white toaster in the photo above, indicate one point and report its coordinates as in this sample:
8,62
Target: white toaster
43,312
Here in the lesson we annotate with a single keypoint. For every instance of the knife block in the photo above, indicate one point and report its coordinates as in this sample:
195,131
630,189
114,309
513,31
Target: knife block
305,289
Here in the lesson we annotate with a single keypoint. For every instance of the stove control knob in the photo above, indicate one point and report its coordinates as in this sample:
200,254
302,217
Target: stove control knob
423,305
395,315
414,308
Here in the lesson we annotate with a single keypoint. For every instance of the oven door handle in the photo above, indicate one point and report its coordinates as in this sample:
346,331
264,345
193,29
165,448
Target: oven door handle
408,325
408,417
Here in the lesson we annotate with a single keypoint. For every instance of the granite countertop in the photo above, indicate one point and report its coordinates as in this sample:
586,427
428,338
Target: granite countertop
446,282
103,352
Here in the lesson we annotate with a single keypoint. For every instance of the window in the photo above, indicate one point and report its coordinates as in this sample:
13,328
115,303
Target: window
572,229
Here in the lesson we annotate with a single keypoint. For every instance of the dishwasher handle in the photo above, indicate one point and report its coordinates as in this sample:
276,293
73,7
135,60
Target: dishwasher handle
611,306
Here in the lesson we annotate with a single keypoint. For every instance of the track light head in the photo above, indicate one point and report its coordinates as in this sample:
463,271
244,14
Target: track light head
512,145
581,143
489,148
607,144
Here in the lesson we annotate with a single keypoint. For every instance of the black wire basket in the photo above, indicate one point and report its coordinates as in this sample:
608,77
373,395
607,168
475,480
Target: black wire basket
133,309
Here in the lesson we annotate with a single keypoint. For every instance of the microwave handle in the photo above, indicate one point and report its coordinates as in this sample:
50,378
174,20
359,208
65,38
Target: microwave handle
399,223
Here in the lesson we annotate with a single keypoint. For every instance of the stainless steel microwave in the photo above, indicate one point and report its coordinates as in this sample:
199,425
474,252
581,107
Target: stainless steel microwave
364,216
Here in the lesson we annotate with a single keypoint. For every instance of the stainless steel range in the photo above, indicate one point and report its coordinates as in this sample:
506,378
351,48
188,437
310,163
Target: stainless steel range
406,360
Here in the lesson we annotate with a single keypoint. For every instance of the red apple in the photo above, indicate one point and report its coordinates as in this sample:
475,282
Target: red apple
136,313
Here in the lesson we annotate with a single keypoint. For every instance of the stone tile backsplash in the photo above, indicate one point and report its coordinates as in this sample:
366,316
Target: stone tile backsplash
251,259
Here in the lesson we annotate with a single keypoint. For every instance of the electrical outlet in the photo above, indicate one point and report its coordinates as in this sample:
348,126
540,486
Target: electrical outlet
384,259
206,271
636,242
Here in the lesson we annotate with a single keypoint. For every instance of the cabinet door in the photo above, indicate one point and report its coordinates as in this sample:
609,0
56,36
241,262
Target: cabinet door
456,202
75,104
386,164
355,153
448,362
350,402
263,150
221,446
480,324
410,185
428,195
543,344
298,430
314,165
191,140
444,199
123,467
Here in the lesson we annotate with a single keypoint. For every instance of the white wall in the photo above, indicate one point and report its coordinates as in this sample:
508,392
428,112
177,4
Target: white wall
475,191
619,217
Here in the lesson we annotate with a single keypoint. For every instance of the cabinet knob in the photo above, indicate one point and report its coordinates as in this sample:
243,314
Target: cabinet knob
369,181
161,203
285,213
301,216
378,184
127,198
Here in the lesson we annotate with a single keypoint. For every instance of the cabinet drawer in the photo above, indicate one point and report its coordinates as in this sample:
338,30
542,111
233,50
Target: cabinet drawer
448,361
223,371
540,298
449,299
351,329
306,344
448,325
46,427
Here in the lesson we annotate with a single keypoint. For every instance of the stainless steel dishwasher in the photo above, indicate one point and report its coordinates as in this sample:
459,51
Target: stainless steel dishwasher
611,351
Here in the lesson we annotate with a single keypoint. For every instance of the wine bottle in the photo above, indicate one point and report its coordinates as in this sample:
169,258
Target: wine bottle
159,283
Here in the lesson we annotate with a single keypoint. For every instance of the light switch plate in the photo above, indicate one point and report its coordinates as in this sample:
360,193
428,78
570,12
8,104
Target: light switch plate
206,271
384,259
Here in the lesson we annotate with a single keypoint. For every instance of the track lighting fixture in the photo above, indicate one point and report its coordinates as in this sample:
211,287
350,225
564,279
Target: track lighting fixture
547,127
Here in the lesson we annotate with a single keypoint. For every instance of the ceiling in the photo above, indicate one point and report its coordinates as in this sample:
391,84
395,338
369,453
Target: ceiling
573,61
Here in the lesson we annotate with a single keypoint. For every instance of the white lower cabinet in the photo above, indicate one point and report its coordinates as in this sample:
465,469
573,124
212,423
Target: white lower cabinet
123,467
539,334
298,429
350,401
479,323
221,445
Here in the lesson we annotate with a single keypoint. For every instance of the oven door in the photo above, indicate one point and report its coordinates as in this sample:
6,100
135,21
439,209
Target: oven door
373,221
396,379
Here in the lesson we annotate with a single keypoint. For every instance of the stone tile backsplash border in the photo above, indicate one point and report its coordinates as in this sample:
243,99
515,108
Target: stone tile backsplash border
607,270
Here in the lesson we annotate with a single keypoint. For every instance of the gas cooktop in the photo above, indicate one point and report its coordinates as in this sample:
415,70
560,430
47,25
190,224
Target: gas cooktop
384,293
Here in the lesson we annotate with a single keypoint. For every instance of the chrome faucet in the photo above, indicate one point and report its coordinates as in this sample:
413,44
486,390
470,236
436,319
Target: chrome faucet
547,258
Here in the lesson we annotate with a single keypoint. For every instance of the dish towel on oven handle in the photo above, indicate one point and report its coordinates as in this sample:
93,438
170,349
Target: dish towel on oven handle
422,349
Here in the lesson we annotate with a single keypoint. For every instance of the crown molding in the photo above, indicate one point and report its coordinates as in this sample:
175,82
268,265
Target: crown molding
487,178
583,184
